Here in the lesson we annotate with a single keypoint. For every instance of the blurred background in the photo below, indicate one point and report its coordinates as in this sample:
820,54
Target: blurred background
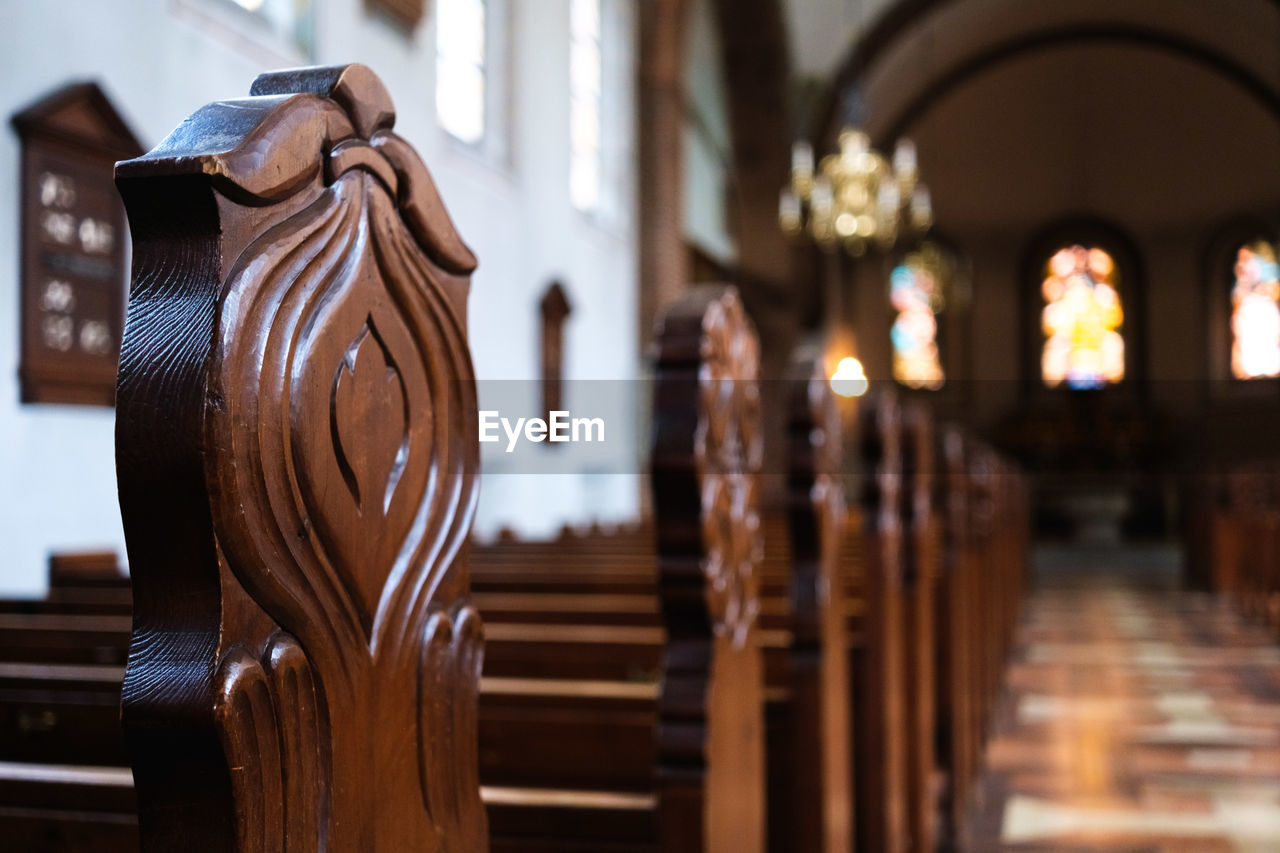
1055,222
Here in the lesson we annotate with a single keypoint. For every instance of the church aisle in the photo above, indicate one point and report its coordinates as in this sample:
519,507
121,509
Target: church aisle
1136,717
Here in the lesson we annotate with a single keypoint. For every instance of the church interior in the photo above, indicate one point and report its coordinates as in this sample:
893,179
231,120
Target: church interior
605,426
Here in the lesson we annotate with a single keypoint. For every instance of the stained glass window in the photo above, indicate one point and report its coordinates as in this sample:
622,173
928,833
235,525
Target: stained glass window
586,79
1255,313
915,290
461,53
1083,317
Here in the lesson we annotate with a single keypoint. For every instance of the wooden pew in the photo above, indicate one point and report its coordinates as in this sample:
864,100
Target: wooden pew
920,577
1244,539
61,662
285,643
621,706
960,733
67,809
981,584
880,661
297,453
64,785
810,749
90,582
586,581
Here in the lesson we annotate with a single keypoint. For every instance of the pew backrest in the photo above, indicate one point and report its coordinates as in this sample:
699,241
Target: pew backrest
820,815
704,465
297,453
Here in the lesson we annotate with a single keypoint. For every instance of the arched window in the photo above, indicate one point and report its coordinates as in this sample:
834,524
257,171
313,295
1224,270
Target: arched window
1255,313
1083,319
916,293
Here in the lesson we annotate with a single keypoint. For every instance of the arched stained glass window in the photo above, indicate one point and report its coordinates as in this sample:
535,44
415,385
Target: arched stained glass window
1255,313
1083,319
915,291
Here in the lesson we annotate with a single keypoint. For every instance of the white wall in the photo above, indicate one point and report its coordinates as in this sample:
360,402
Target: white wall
158,60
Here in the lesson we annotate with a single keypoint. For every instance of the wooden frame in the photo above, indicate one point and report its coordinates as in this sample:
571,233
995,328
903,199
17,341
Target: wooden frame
73,246
553,310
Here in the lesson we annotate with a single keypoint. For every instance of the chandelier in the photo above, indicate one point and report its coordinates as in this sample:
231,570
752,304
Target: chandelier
856,198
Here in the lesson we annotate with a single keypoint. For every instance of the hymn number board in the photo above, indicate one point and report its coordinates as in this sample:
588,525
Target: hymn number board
73,246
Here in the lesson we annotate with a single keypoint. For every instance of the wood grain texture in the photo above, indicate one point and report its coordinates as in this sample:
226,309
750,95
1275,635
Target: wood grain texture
705,460
297,457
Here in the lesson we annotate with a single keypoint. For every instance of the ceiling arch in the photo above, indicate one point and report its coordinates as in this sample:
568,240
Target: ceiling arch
1143,136
1219,63
1240,38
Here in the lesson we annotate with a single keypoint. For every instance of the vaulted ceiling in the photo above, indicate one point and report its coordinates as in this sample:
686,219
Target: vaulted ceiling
1154,113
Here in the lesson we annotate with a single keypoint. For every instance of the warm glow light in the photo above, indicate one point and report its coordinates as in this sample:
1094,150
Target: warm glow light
856,198
1255,319
915,290
1082,318
849,380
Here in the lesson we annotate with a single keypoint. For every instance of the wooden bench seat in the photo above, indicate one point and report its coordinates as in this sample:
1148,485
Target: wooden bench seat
67,809
61,714
64,638
580,692
548,820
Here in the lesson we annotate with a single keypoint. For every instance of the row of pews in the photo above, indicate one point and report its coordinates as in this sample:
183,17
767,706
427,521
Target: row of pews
841,665
883,628
64,778
319,658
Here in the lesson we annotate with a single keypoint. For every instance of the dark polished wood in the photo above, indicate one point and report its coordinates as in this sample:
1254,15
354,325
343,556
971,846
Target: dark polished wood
553,310
881,742
811,806
704,460
921,575
297,455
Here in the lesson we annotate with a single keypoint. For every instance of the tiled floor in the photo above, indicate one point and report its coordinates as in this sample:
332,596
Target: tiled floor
1137,718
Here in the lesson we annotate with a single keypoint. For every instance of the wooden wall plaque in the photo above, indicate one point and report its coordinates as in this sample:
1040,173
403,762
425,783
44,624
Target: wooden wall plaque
73,246
553,310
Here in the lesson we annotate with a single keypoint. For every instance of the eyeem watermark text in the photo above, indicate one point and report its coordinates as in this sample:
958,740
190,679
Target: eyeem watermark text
560,428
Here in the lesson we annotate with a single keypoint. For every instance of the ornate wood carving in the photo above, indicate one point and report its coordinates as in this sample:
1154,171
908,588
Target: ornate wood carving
296,447
821,818
73,259
705,460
